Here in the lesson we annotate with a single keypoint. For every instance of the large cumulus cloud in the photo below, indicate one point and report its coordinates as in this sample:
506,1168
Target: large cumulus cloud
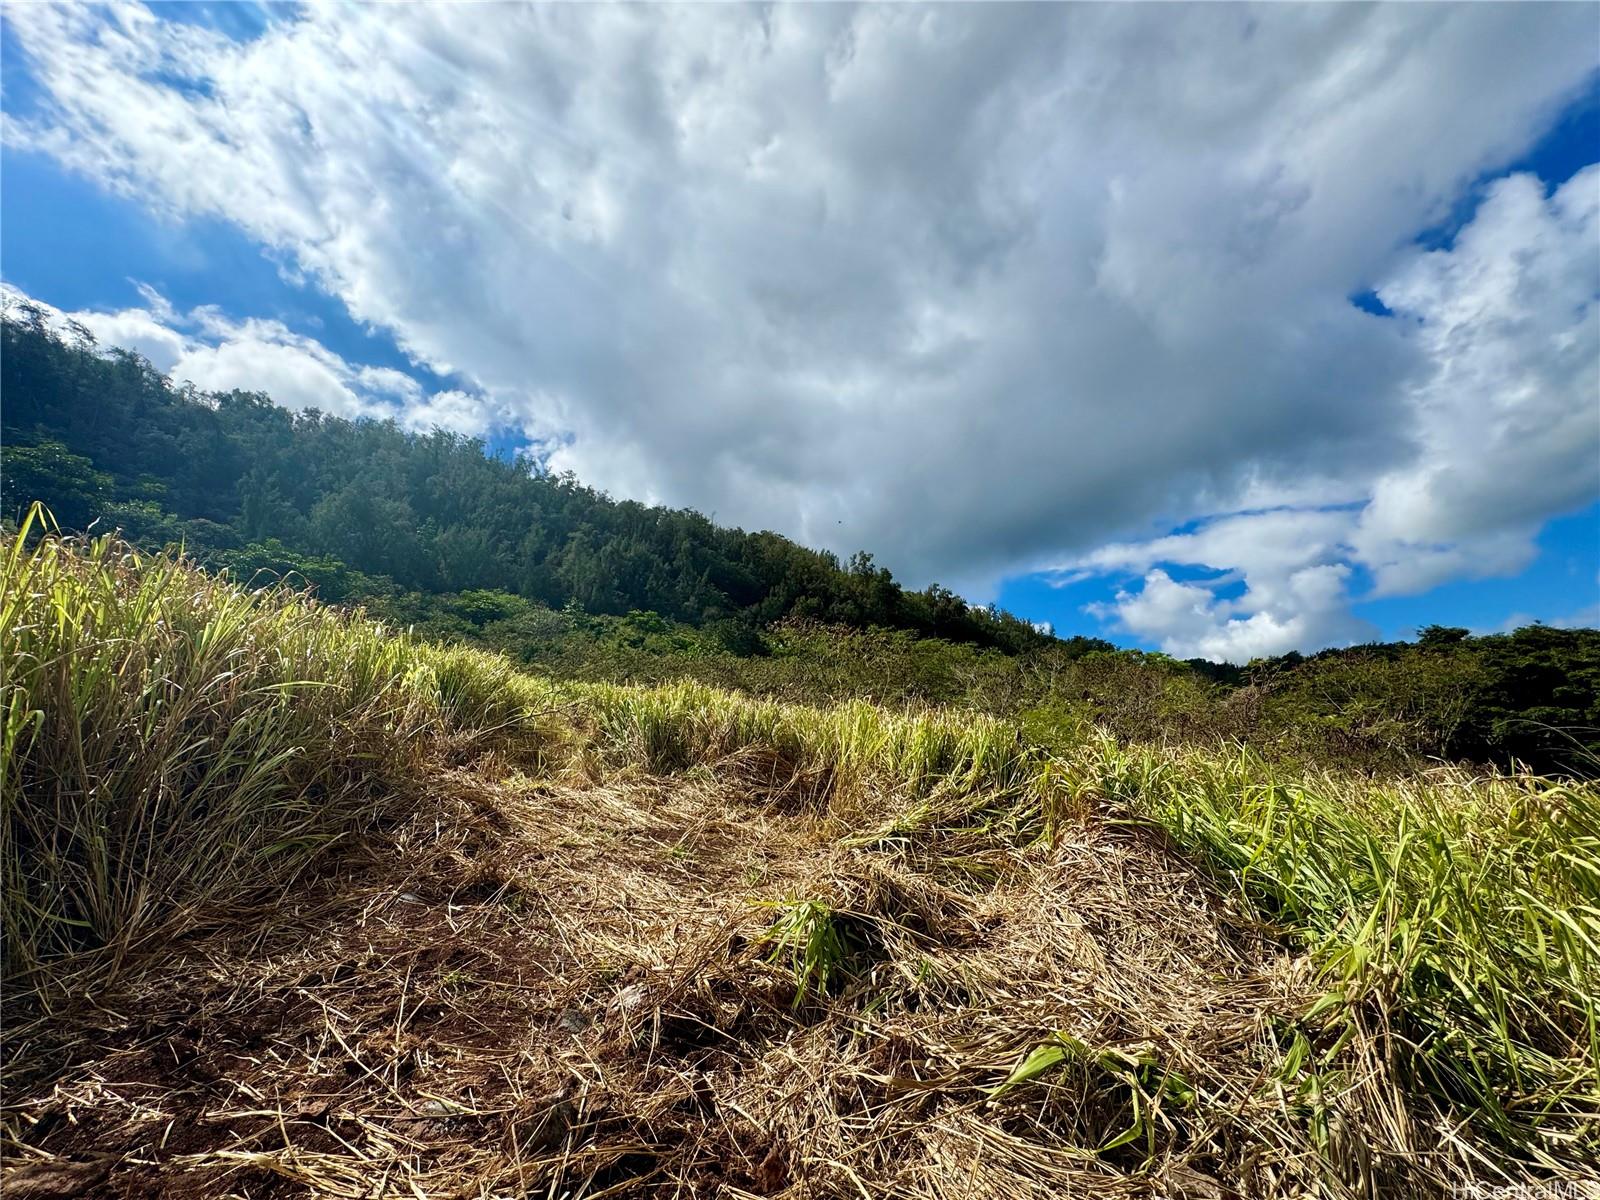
1500,427
981,287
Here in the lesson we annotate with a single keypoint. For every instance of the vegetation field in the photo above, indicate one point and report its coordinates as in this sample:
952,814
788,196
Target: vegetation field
297,904
433,533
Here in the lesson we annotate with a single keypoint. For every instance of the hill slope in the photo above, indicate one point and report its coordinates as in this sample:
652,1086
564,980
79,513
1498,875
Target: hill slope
105,436
297,906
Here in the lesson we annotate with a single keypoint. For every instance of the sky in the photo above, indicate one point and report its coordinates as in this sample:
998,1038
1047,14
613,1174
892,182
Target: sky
1215,329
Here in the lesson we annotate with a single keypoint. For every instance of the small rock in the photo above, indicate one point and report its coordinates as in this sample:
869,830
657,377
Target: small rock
548,1126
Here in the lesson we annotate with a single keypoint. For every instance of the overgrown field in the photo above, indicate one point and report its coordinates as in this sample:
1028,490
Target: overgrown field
297,905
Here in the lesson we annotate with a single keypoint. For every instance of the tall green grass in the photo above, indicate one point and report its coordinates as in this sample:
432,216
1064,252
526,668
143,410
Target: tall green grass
1455,918
169,738
826,752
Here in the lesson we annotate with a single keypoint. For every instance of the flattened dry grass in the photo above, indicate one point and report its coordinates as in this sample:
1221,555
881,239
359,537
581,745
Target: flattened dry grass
295,905
542,988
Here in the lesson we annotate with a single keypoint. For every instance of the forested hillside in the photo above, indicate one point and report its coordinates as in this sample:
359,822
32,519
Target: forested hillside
429,532
103,435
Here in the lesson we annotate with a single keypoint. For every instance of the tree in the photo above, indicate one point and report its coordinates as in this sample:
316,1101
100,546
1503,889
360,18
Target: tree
67,483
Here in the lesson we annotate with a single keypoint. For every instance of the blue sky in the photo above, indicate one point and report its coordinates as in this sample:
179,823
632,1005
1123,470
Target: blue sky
1561,585
1303,482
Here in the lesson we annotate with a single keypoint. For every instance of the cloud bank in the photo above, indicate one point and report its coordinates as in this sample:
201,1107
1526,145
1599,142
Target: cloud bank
977,287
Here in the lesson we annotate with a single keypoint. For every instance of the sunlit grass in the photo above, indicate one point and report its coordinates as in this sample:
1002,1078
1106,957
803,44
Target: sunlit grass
169,738
1455,917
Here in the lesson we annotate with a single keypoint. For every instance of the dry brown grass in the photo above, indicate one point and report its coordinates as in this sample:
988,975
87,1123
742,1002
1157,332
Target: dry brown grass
540,988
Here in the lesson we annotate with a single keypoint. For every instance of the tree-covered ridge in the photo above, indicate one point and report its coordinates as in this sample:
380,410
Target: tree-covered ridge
102,435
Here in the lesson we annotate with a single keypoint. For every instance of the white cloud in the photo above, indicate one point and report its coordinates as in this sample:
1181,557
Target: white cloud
976,287
262,356
1507,418
1504,425
138,330
1294,586
1587,617
217,353
390,382
450,410
1189,620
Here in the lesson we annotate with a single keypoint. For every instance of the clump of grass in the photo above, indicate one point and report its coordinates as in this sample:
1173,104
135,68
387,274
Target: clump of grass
1136,1070
834,756
1455,919
170,738
815,941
